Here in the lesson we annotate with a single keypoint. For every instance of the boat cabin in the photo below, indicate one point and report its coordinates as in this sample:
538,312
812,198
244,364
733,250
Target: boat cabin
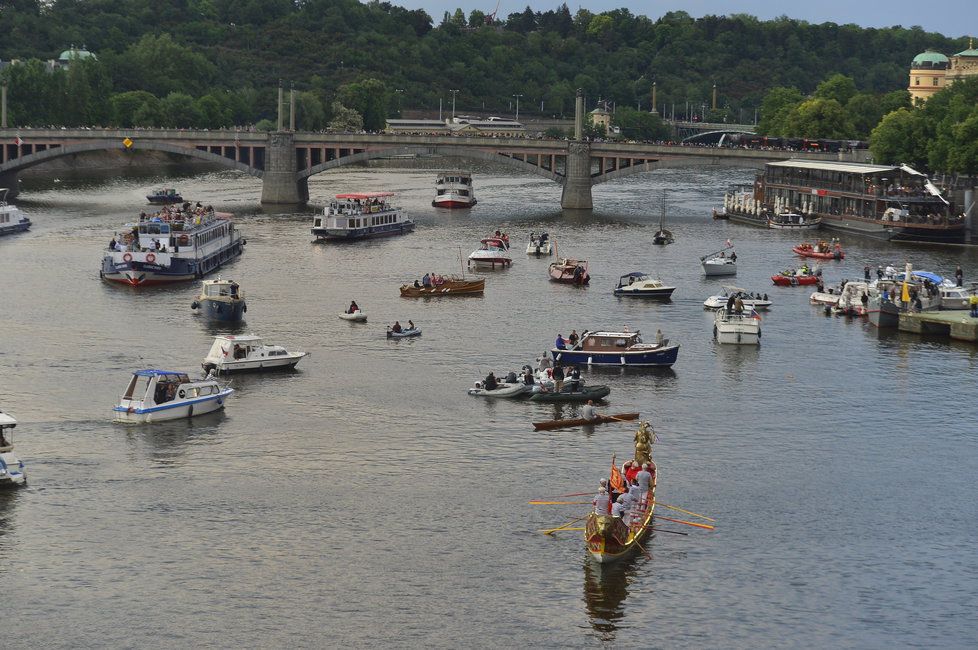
221,289
631,278
153,387
7,423
609,341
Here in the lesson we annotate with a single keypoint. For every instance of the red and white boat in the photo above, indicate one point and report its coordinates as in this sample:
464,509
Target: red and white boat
822,250
454,190
796,279
493,253
570,271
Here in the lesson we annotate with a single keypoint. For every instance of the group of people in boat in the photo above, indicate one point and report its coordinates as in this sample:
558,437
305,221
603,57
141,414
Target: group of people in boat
397,328
803,270
822,246
430,280
628,497
184,213
570,343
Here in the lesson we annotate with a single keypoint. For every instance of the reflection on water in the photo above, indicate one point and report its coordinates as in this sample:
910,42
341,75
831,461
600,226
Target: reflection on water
167,442
605,591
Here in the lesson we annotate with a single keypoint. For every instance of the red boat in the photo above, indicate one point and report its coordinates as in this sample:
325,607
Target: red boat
822,250
795,280
570,271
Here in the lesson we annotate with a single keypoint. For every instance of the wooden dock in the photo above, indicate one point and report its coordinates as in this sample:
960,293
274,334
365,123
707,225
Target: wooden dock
956,323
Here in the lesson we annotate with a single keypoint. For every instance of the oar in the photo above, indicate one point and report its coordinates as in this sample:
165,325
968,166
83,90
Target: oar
642,548
559,503
663,530
688,523
551,531
688,512
563,530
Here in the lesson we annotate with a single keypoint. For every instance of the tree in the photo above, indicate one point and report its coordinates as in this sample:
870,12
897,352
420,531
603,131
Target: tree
640,125
125,106
777,104
178,111
345,119
963,156
818,118
310,114
369,98
895,139
838,87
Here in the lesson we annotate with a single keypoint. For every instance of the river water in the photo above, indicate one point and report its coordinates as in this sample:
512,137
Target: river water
366,499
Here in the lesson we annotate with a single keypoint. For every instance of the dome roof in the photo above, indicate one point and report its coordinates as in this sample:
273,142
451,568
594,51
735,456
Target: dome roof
969,52
74,53
929,57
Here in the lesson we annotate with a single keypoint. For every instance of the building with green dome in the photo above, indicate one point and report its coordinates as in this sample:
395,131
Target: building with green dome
73,54
932,71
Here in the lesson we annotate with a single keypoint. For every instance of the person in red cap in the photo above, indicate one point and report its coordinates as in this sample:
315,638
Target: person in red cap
632,471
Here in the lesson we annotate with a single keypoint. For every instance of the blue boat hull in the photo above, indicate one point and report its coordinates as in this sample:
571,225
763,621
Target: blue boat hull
12,228
663,357
180,269
223,311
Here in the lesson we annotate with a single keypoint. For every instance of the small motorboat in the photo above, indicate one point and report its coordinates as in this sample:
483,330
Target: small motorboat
821,250
617,349
570,271
788,220
503,391
221,300
851,297
12,219
954,297
167,196
640,285
404,333
248,352
549,425
441,286
739,329
539,244
584,394
749,298
12,470
793,278
493,253
356,316
719,263
159,395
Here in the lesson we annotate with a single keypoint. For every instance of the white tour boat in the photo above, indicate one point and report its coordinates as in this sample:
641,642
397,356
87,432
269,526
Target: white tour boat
159,395
749,298
640,285
454,190
11,468
493,252
539,244
173,245
248,352
738,329
12,219
361,215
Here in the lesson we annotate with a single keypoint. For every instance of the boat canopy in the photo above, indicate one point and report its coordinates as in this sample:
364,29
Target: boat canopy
364,195
7,421
927,275
634,274
150,372
733,289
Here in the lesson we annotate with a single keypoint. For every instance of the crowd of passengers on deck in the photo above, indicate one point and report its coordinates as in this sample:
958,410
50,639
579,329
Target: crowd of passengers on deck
631,503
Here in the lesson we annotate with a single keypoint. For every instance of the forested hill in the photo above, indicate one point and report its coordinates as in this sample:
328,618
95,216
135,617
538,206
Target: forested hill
200,47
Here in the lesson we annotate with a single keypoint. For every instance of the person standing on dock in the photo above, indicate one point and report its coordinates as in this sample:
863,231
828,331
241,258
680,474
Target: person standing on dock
973,301
959,276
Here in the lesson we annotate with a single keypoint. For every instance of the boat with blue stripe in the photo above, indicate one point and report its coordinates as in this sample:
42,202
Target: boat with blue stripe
361,215
617,349
159,395
12,218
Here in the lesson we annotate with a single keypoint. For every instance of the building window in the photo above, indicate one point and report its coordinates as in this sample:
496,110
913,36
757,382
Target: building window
916,81
935,81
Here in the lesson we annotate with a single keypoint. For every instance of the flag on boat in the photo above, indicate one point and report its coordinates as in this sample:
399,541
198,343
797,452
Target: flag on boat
905,294
754,314
729,243
617,480
18,141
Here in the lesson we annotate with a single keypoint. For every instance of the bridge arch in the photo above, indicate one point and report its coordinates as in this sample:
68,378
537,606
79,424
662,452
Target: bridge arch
713,137
40,157
444,150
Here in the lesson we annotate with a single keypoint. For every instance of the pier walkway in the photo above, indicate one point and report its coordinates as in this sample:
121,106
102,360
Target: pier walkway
956,323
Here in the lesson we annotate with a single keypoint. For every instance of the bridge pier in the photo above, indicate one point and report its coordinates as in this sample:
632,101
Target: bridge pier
11,181
279,184
576,194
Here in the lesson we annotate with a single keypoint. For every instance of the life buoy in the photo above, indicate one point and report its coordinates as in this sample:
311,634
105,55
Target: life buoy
150,257
127,257
182,393
184,240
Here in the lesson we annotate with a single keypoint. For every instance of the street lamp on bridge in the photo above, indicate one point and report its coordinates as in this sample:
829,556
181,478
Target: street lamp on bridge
454,95
517,96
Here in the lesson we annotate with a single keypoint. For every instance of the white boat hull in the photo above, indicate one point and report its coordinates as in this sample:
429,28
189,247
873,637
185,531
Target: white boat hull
504,391
357,316
713,270
736,329
173,411
543,249
720,302
261,363
11,470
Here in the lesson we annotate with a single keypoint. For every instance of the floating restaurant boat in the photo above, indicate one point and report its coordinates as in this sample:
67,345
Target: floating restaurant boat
739,329
609,538
751,300
221,300
248,352
12,470
12,219
639,284
539,244
882,201
570,271
580,394
617,349
794,279
443,286
822,250
719,263
361,215
172,245
453,189
159,395
164,197
493,252
550,425
788,220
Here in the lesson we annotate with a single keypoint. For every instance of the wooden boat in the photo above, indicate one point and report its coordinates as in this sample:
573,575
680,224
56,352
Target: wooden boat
821,250
610,539
447,287
579,422
583,395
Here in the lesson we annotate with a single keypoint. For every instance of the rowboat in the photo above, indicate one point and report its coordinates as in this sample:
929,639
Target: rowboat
609,538
447,287
579,422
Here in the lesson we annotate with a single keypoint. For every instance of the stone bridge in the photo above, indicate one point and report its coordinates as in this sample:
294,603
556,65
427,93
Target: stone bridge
284,160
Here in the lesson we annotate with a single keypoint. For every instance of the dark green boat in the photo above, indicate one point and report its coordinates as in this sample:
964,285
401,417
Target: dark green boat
583,395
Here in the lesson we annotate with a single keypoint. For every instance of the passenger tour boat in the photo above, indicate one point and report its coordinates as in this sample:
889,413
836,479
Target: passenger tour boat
493,252
164,197
617,349
539,244
640,285
249,352
882,201
570,271
453,189
361,215
740,329
610,538
12,219
822,250
440,285
173,245
221,300
12,470
748,298
159,395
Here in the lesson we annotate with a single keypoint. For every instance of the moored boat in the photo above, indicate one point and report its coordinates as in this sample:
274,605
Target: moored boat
361,215
12,472
442,286
173,245
159,395
221,300
248,353
549,425
749,298
737,328
12,219
503,390
453,189
821,250
662,236
790,220
570,271
617,349
493,252
167,196
639,284
954,297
